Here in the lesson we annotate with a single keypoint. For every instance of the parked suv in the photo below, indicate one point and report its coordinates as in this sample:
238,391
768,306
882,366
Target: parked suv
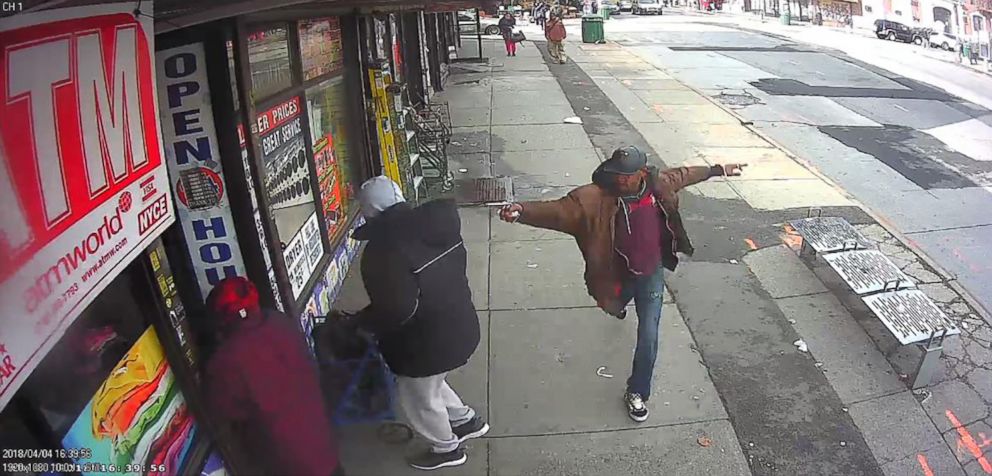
946,41
643,7
895,31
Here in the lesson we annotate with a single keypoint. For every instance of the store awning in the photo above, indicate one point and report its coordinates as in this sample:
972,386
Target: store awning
175,14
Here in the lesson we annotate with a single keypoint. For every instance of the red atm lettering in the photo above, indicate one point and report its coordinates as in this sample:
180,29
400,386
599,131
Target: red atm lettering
85,92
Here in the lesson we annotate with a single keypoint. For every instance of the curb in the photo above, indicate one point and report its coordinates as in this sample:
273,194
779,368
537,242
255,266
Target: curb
947,277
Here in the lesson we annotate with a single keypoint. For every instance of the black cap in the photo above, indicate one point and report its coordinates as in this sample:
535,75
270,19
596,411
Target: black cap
626,161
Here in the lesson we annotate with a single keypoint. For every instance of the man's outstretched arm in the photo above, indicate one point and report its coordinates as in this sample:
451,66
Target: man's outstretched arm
680,177
564,214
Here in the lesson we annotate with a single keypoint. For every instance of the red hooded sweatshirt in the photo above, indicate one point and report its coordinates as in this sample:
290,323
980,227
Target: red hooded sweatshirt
262,385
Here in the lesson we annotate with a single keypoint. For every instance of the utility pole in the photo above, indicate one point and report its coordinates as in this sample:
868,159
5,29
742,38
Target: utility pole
478,28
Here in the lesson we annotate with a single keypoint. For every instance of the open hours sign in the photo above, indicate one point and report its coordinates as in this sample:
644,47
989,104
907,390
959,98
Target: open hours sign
193,159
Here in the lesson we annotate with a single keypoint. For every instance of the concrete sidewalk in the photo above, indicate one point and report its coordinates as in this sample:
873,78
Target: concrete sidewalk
728,371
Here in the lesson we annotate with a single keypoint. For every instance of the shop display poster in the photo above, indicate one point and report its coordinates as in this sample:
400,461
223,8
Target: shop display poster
303,254
280,133
91,189
138,420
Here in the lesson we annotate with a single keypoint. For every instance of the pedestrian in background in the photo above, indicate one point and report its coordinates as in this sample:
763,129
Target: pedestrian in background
421,311
628,228
555,33
506,25
262,387
540,14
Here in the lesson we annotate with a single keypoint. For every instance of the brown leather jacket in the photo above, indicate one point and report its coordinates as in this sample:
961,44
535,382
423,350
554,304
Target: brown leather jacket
587,213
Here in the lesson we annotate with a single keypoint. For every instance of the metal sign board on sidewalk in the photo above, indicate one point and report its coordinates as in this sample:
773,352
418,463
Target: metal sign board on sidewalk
868,271
910,315
829,234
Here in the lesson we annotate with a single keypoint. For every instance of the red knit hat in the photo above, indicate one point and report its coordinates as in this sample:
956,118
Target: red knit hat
233,298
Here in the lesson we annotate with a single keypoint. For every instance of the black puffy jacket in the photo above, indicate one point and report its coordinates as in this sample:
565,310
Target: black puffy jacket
413,268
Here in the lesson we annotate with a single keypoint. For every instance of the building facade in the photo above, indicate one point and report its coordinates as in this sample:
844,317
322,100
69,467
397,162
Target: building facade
168,149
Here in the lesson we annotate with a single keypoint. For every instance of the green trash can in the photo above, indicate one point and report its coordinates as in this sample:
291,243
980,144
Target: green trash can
592,29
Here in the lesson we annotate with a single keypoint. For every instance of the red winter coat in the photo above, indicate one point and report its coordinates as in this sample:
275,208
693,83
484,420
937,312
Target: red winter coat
554,30
262,384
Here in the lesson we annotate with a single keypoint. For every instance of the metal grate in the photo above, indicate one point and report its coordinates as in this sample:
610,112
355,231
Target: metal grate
829,234
485,190
910,315
200,191
868,271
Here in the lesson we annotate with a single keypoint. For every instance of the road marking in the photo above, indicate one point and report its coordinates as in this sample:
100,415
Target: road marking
926,466
794,63
967,442
750,244
900,108
791,238
819,73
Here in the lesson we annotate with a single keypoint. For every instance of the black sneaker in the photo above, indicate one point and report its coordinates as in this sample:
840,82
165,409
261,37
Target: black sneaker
473,428
623,312
635,407
429,460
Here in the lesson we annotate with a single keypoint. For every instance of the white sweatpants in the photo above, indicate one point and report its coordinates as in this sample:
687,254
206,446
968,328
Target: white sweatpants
432,409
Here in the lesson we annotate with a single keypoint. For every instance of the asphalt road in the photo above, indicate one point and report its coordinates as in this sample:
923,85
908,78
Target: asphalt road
916,155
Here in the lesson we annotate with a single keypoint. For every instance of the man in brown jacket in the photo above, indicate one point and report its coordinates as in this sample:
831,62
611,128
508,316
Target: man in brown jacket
628,228
554,31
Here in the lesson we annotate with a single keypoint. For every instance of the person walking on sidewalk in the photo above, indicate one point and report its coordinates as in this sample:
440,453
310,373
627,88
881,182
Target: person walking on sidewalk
506,25
541,14
628,228
555,33
421,310
262,387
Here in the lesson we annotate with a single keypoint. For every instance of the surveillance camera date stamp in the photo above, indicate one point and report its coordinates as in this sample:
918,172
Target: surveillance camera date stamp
63,460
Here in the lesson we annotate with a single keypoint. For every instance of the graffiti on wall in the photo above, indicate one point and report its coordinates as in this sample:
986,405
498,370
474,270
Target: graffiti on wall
836,12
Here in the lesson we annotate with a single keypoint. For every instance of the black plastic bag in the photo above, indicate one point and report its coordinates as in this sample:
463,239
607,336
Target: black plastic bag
339,338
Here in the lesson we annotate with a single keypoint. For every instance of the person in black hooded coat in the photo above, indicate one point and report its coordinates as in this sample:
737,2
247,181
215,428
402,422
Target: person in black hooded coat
421,310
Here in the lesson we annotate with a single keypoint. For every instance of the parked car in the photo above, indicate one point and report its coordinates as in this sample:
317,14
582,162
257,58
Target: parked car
647,7
711,5
609,5
626,6
467,26
944,41
895,31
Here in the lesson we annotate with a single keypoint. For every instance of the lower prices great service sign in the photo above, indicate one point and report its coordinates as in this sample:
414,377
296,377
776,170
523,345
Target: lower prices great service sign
83,187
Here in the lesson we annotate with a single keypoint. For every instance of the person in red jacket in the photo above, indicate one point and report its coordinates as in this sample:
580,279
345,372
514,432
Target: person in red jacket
554,31
262,387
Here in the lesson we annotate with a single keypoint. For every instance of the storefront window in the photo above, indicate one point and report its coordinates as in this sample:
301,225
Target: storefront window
268,59
320,47
326,104
287,183
105,391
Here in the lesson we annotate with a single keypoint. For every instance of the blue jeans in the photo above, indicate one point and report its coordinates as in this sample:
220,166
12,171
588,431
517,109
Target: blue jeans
647,291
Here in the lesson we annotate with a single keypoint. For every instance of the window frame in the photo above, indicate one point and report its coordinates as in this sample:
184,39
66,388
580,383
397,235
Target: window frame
298,88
